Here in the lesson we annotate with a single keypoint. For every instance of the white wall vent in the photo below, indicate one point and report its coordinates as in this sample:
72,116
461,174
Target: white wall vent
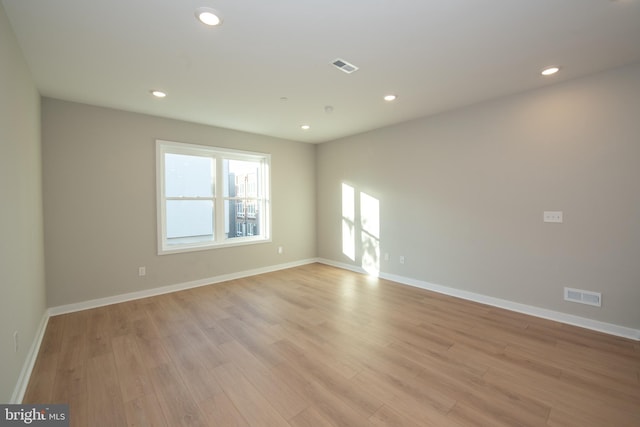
583,297
343,65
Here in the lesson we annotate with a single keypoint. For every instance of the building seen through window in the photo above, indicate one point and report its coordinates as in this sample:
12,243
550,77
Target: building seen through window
243,215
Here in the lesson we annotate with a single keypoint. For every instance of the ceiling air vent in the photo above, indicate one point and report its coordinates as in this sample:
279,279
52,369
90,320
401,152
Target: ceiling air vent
343,65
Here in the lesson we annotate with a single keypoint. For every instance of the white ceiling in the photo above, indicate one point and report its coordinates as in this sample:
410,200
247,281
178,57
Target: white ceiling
436,55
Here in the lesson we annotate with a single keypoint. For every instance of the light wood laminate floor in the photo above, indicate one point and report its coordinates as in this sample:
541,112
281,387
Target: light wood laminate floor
319,346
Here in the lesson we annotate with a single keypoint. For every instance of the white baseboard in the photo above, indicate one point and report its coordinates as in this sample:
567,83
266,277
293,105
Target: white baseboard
100,302
30,361
23,380
583,322
25,374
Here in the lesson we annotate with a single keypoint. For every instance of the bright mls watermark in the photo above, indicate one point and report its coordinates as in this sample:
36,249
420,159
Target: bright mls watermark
34,415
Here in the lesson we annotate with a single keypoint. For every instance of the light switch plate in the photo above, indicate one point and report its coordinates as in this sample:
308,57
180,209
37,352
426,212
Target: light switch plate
552,216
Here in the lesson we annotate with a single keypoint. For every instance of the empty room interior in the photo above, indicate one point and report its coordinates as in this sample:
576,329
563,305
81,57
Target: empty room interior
321,213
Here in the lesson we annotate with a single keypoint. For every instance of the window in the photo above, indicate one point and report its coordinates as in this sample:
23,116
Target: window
210,197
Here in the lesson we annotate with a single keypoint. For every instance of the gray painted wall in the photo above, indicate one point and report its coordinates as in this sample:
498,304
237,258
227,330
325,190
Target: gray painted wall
462,195
22,300
100,202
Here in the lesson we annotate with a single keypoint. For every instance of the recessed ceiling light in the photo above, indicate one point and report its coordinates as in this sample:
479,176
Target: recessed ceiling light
208,16
158,93
305,127
550,70
390,98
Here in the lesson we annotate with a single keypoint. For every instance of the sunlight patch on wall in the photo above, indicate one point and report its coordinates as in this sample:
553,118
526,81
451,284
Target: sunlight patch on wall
370,221
348,222
361,218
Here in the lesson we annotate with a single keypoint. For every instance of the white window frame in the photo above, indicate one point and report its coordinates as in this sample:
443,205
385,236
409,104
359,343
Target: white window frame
218,155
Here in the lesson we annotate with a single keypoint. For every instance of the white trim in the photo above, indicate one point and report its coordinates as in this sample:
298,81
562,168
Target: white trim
100,302
569,319
217,155
343,265
25,374
30,361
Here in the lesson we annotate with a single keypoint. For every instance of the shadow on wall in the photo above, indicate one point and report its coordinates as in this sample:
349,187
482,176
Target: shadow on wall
361,218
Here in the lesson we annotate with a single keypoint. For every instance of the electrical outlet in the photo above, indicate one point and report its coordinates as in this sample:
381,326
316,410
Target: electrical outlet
280,250
16,337
401,259
142,271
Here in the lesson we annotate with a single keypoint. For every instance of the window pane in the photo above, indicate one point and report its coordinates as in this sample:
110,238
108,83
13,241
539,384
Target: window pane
189,221
188,176
210,196
241,178
242,217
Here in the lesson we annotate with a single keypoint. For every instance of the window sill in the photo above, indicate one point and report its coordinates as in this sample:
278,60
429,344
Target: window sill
229,243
